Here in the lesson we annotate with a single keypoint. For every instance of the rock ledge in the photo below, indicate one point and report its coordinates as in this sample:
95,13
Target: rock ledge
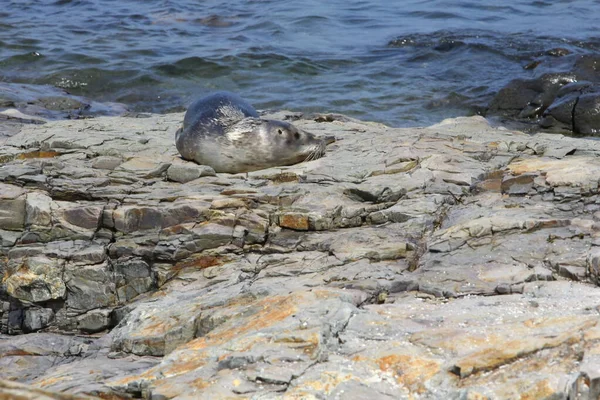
454,261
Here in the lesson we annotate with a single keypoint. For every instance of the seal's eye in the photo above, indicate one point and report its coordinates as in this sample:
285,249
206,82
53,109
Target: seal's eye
297,135
279,131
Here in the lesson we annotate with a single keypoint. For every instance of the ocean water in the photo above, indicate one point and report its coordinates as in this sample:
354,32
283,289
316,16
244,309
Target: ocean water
403,63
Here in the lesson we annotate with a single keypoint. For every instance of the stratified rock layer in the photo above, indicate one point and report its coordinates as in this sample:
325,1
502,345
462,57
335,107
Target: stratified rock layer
455,261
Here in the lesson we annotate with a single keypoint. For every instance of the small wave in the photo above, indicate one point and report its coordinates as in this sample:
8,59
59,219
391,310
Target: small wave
88,80
21,59
80,58
215,21
496,8
310,20
436,15
517,47
67,2
194,66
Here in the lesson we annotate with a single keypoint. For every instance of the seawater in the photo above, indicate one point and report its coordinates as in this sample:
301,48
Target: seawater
399,62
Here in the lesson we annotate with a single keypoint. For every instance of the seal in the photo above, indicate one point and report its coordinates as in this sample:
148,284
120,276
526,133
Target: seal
225,132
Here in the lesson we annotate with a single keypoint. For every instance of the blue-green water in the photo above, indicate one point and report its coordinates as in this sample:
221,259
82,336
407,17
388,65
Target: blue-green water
399,62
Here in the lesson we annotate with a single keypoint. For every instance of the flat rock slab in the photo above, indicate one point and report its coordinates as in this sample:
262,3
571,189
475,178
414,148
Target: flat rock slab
455,261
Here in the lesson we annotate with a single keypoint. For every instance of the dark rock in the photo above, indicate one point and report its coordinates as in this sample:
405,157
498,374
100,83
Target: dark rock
236,361
15,321
588,67
529,98
586,117
576,109
133,277
558,101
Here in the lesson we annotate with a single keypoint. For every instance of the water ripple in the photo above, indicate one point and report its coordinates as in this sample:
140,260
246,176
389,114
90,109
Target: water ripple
409,64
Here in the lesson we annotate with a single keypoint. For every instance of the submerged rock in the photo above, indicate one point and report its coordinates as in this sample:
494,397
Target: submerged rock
458,260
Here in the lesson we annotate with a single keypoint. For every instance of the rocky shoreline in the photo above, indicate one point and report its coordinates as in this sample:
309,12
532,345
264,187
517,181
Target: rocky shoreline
454,261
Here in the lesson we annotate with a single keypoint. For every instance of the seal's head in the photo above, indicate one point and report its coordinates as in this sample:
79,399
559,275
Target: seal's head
291,145
267,143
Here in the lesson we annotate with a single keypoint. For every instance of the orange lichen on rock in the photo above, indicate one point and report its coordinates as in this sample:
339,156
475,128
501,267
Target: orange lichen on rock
410,371
451,339
200,261
269,311
38,154
526,338
328,382
190,356
532,165
308,344
296,221
51,381
199,383
159,327
540,390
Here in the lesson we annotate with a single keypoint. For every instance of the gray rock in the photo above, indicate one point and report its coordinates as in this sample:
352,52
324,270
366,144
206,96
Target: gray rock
37,318
12,208
86,218
94,321
39,211
9,238
106,162
188,172
517,185
134,277
90,287
57,103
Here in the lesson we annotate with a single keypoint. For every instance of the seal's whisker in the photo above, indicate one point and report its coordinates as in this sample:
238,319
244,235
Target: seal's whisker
309,157
312,155
316,152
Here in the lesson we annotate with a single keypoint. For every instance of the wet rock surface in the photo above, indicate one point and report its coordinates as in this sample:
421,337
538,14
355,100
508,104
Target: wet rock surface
23,104
454,261
567,102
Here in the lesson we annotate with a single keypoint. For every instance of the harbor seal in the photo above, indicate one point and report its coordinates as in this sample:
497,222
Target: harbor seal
226,133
